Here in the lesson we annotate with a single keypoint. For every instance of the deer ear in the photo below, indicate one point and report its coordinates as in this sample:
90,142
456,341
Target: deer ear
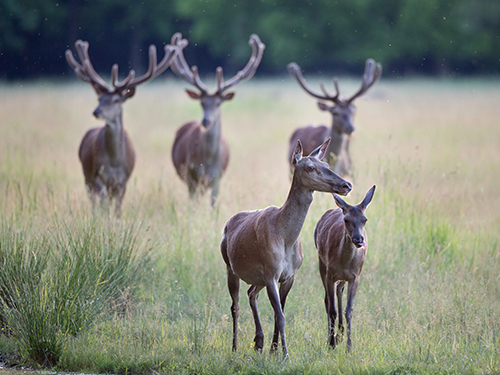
297,154
367,199
193,95
127,94
228,96
340,202
323,106
320,151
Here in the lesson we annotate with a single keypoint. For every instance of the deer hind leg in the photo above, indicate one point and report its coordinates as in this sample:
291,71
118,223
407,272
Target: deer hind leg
351,293
279,317
340,293
233,284
284,290
253,294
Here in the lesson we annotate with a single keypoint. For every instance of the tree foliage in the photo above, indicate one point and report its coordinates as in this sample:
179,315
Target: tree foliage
407,36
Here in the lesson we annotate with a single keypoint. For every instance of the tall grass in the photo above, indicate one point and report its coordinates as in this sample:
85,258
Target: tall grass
56,283
429,296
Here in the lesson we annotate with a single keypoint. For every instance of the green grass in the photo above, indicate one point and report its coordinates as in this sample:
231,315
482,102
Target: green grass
429,297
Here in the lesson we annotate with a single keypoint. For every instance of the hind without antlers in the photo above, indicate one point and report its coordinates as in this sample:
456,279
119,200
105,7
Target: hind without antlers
200,153
263,247
341,240
106,152
342,111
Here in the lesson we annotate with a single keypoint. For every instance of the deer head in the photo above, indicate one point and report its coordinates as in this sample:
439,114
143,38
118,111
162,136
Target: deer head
110,100
211,102
343,109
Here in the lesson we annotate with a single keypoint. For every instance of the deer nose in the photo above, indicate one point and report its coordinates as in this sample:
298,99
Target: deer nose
205,122
358,241
96,112
347,186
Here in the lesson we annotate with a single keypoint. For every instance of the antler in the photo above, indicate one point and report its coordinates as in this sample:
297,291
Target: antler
373,71
191,75
296,73
248,71
181,67
154,70
85,71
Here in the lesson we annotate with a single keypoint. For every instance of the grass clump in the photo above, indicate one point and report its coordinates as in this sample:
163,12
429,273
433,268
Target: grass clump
55,284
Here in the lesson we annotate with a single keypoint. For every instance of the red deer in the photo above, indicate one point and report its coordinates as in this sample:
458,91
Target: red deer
341,240
263,247
200,153
342,111
106,152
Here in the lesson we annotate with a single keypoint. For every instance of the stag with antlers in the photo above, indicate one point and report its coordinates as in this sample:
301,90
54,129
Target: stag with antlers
200,153
106,152
342,111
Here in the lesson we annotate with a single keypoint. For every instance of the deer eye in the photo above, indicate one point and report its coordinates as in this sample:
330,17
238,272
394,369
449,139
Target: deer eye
311,168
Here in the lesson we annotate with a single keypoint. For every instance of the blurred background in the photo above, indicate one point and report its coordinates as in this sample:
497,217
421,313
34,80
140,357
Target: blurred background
409,37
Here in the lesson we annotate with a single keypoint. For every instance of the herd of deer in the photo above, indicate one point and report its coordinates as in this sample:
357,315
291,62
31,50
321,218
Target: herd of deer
262,247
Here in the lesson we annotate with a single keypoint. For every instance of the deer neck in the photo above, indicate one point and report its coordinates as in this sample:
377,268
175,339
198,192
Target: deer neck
337,139
293,213
212,136
114,138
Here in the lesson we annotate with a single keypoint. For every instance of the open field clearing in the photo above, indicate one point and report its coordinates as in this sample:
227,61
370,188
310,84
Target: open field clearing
429,296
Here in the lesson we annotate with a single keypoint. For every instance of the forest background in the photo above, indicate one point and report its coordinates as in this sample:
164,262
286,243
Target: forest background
432,37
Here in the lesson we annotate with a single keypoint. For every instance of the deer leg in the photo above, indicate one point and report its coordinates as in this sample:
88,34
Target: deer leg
273,294
351,293
331,312
233,284
285,287
215,190
340,293
253,294
120,193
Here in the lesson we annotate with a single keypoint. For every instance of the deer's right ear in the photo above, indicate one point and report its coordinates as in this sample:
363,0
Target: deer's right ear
297,154
193,95
323,106
340,202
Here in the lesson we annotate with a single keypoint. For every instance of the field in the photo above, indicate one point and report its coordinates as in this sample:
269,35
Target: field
429,296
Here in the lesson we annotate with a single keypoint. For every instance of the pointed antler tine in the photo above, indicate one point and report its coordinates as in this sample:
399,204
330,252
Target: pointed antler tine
336,85
250,68
296,73
219,77
322,86
372,73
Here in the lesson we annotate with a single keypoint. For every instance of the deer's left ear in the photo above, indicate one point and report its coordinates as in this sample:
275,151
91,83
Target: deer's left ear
320,151
228,96
368,198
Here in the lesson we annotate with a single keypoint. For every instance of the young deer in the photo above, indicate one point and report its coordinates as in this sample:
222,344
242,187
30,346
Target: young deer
341,240
342,111
106,153
200,153
263,247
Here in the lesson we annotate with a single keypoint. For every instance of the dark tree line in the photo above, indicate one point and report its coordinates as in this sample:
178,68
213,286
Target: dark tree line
457,37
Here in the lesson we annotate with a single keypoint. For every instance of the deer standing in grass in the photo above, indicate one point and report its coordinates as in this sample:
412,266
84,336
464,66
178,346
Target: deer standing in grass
342,110
200,153
263,247
106,152
341,240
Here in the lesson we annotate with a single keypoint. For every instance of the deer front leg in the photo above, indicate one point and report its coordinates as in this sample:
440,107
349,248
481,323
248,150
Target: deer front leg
215,190
351,293
331,312
253,294
285,287
279,317
340,293
233,284
120,193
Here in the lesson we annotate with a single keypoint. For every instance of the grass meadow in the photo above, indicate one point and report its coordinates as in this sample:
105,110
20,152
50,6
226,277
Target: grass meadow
429,296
